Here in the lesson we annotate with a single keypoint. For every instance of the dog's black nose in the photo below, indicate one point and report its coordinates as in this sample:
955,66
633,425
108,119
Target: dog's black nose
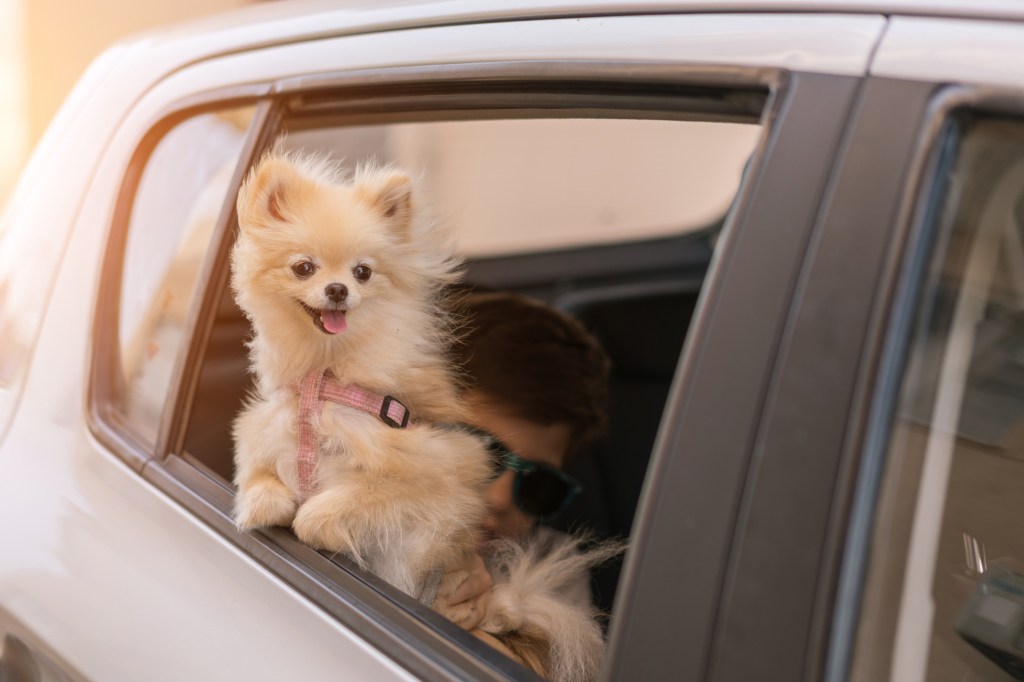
336,291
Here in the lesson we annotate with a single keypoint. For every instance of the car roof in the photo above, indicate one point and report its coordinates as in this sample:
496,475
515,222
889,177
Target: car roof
274,22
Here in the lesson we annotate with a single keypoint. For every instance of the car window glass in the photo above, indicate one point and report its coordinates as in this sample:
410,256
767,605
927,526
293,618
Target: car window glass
944,598
179,198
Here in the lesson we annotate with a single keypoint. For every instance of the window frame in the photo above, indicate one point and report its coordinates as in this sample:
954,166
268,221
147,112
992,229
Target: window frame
106,384
413,635
916,234
689,583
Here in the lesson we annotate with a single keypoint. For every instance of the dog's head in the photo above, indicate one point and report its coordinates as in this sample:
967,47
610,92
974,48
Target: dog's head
314,251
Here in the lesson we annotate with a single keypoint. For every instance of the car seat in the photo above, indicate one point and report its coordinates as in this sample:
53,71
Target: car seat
642,327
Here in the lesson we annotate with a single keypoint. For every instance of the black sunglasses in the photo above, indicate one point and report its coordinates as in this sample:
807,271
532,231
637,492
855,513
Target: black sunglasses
539,489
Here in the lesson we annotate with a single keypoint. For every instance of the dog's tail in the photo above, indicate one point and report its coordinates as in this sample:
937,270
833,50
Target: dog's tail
540,606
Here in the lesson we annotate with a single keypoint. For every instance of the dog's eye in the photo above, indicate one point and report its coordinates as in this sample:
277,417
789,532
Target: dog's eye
303,269
362,272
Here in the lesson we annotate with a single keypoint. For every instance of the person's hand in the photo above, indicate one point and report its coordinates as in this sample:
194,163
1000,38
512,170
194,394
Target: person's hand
464,592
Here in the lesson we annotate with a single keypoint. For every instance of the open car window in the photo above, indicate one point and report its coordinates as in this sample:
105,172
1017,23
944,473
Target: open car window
605,203
541,184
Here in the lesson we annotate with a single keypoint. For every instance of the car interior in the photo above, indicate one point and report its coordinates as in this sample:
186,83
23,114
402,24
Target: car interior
654,289
635,294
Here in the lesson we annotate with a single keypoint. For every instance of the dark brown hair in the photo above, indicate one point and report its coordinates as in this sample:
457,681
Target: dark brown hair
540,363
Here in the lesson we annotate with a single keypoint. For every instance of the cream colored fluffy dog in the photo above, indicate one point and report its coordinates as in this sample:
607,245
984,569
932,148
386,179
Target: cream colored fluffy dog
348,437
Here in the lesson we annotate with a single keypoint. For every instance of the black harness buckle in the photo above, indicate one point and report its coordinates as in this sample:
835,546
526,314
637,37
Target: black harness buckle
385,406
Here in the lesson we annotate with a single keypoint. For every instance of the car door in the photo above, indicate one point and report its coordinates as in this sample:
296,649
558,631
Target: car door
128,497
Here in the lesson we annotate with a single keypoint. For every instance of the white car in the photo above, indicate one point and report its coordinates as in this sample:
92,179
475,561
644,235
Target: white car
797,227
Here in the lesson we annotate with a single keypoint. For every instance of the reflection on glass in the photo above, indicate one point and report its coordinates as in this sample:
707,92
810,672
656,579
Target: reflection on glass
183,189
944,598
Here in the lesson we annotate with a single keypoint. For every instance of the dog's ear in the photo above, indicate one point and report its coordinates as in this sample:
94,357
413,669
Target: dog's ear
273,189
389,193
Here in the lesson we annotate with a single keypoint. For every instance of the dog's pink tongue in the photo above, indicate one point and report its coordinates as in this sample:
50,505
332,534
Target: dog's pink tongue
334,321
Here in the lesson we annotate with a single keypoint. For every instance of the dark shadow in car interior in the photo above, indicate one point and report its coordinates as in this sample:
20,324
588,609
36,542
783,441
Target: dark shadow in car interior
636,297
644,362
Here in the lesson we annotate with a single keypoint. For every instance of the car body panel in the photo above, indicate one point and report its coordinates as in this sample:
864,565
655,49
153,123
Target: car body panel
312,19
732,575
89,552
832,44
94,518
909,51
81,126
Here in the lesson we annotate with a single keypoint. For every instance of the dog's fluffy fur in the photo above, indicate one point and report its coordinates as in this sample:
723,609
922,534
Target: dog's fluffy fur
528,604
403,503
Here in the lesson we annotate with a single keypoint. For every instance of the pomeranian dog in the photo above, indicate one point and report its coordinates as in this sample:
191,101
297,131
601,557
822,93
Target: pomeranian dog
351,435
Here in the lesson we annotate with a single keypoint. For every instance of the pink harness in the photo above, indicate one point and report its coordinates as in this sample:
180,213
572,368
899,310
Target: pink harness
319,387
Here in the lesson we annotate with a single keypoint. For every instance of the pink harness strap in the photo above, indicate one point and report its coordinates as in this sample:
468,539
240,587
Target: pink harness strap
319,387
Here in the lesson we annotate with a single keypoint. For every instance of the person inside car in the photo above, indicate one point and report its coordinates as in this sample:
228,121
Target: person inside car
537,385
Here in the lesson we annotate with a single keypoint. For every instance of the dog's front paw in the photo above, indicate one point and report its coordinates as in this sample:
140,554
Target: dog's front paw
319,523
265,502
